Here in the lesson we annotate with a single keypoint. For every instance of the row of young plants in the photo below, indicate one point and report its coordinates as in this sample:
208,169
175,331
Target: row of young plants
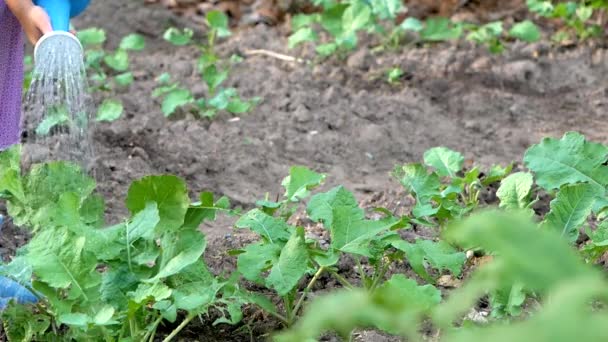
109,72
343,20
126,281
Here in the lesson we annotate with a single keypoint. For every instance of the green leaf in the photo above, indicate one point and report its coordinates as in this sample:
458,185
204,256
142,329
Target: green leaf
104,315
256,259
508,301
124,79
514,191
204,210
214,77
218,21
387,9
291,266
496,174
145,292
412,24
189,246
400,293
331,19
445,161
167,309
440,29
271,228
223,98
416,179
439,255
74,319
238,106
352,233
356,17
55,116
110,110
143,223
177,37
320,207
526,31
133,41
118,61
394,74
304,34
170,195
326,49
175,99
569,160
300,181
91,36
299,21
59,259
570,209
164,78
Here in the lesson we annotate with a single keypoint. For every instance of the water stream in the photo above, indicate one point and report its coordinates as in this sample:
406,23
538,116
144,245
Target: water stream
57,113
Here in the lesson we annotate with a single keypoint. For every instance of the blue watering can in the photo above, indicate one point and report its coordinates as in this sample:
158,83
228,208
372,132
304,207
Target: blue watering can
61,11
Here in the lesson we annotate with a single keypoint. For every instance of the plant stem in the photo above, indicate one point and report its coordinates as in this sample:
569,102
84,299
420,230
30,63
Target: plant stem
152,333
342,280
361,272
379,276
306,290
288,309
179,328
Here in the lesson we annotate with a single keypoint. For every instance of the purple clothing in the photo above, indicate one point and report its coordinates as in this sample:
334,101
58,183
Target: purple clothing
11,77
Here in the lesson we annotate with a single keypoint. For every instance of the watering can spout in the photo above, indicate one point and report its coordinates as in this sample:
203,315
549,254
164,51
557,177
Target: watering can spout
61,11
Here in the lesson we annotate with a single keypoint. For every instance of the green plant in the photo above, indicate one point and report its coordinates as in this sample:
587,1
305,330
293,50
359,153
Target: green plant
108,71
576,15
212,71
442,188
112,283
342,21
401,306
284,256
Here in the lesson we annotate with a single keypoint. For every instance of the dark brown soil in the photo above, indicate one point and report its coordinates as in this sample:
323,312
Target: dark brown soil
340,117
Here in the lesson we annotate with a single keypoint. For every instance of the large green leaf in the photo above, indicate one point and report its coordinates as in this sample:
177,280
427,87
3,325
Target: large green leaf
439,255
570,209
291,266
180,251
514,191
59,259
257,258
271,228
352,233
445,161
569,160
320,207
143,223
170,195
416,179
